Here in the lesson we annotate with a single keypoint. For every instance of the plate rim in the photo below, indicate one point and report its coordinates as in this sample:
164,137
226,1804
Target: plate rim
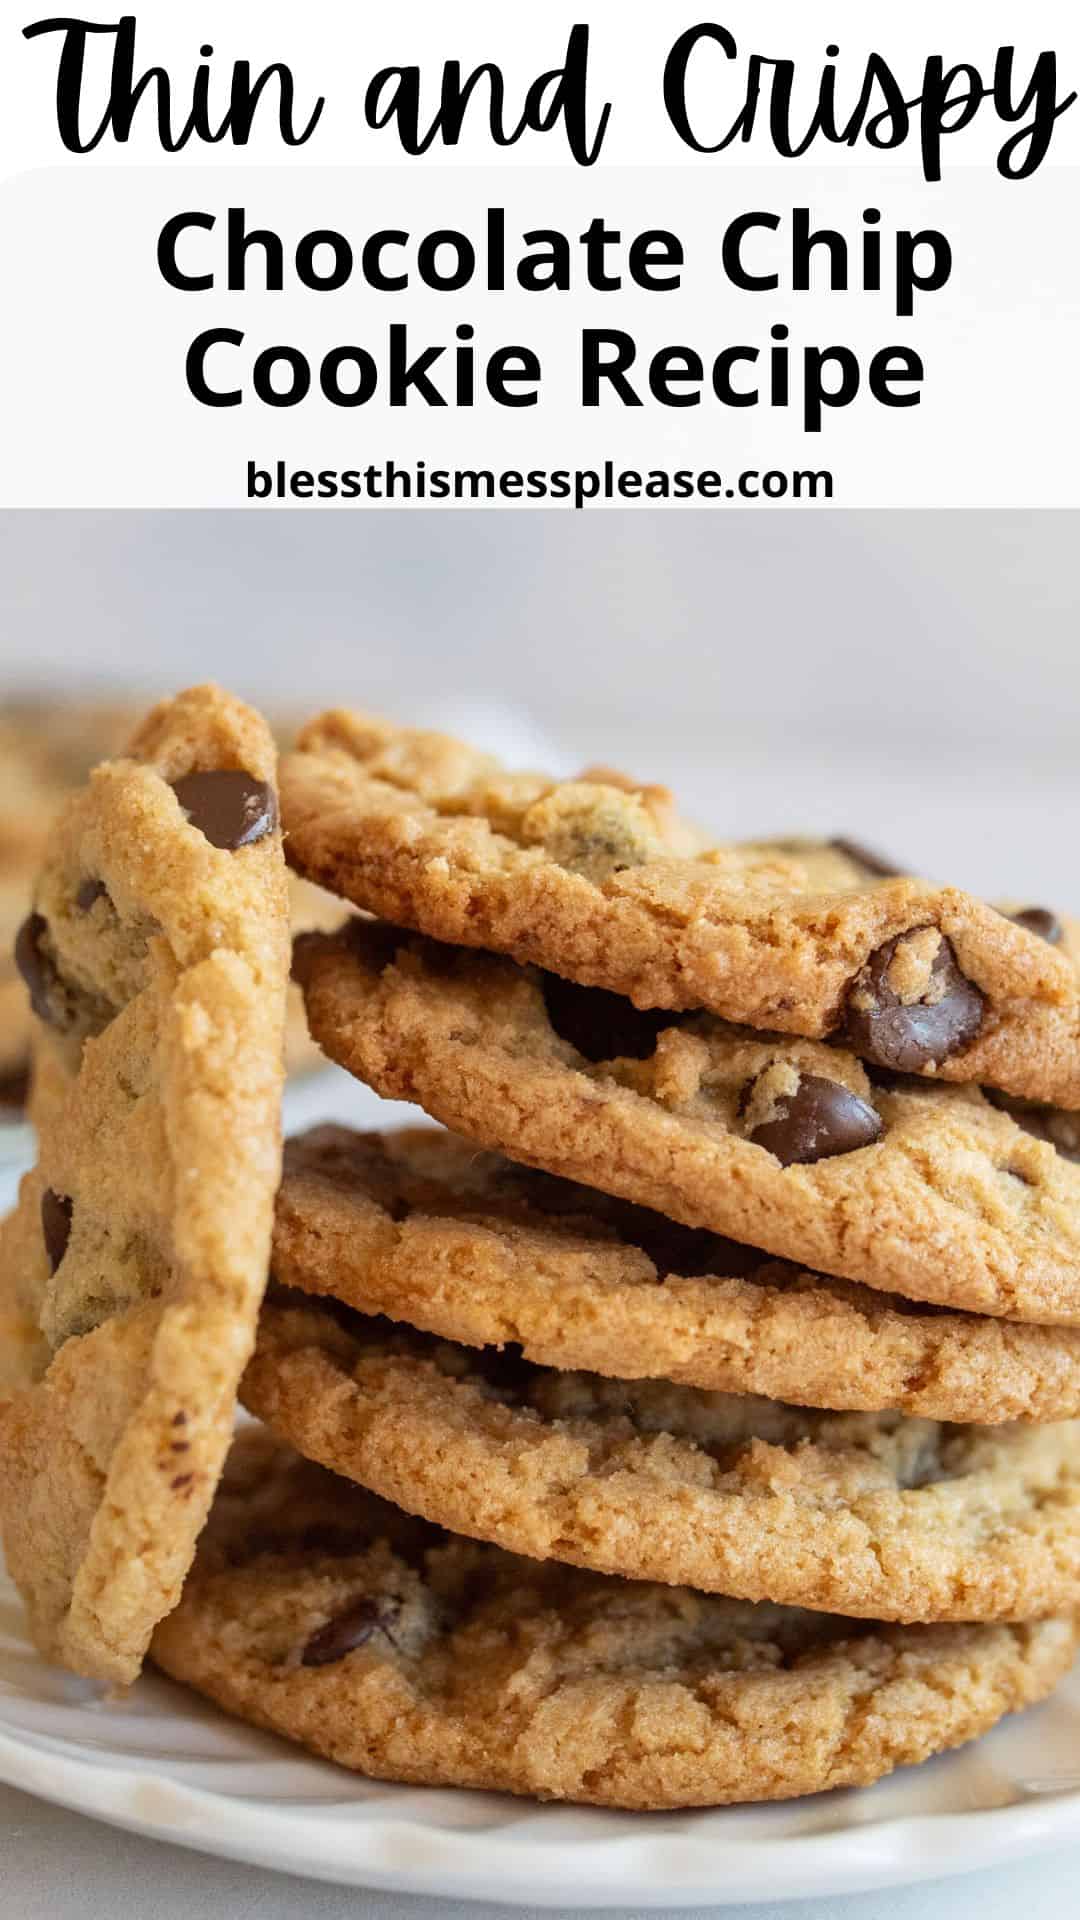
664,1870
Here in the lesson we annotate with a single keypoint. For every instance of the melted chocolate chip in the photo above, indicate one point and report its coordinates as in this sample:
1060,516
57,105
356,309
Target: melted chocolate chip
874,863
230,808
906,1037
349,1630
15,1089
55,1225
819,1119
602,1025
1061,1130
1040,920
90,891
37,969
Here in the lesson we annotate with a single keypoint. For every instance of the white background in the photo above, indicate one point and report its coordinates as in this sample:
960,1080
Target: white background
913,678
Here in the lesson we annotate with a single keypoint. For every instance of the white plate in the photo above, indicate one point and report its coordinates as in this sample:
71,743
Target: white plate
163,1763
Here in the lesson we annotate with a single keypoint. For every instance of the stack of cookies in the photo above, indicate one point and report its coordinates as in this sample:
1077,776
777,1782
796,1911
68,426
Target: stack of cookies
689,1419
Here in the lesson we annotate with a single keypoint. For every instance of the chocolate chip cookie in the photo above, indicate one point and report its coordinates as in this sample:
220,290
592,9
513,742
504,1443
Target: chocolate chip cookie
417,1225
918,1189
321,1614
156,953
602,884
882,1516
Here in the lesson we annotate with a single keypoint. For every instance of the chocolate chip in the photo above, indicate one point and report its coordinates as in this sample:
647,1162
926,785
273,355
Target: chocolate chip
53,998
89,891
1040,920
230,808
878,1024
55,1225
819,1119
1060,1129
874,863
39,970
602,1025
348,1630
15,1089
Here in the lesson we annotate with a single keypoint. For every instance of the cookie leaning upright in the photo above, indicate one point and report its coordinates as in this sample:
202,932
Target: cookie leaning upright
157,957
600,882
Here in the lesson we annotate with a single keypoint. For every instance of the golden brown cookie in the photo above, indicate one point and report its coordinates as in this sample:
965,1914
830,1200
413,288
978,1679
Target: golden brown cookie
157,954
603,885
882,1516
418,1225
918,1189
321,1614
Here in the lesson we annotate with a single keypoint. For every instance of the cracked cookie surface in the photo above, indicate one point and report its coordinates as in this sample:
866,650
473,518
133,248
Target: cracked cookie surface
882,1516
157,956
319,1613
601,883
417,1225
915,1188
